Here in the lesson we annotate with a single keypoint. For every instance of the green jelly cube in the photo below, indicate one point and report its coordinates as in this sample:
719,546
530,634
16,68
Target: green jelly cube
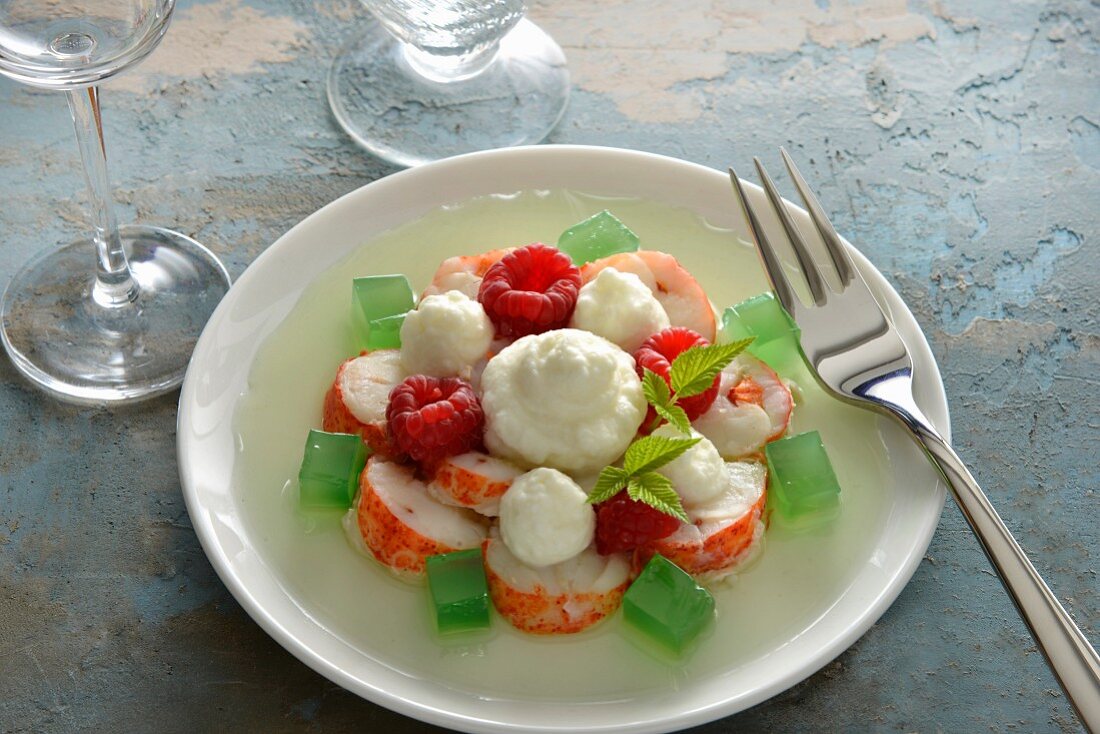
776,334
761,316
374,298
385,333
802,485
666,604
459,591
596,237
733,329
330,470
782,355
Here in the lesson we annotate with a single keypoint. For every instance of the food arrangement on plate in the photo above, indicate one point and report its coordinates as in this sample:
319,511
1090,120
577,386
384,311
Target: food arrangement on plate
262,369
558,431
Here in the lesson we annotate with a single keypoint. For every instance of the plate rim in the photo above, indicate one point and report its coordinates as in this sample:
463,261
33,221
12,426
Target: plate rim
203,526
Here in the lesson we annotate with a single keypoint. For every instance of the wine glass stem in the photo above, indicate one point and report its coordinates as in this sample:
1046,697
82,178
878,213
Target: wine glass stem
114,286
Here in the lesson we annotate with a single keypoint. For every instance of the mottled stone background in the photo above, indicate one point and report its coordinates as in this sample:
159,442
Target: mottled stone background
958,143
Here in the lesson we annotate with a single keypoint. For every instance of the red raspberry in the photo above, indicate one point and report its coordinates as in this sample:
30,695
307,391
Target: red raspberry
431,418
623,524
530,290
656,354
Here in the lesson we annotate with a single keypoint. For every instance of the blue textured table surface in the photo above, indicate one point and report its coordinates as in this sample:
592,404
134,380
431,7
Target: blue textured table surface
957,143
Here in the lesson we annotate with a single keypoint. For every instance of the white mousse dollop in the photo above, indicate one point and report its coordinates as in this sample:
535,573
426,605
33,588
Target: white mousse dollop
566,399
619,307
545,518
445,336
699,474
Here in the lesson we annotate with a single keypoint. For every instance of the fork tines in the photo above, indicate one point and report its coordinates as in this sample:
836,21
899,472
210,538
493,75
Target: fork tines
833,244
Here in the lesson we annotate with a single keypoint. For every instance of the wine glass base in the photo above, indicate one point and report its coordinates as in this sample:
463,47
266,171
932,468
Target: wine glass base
81,352
407,119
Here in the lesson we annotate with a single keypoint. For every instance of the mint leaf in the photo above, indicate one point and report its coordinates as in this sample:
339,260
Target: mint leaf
611,481
650,452
656,389
675,415
694,370
660,397
656,491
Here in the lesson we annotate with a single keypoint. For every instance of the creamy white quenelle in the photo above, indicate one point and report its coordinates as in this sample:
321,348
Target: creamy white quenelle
619,307
566,399
445,336
545,518
699,474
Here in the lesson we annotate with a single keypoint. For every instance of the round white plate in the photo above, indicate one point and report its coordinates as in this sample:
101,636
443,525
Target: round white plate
269,290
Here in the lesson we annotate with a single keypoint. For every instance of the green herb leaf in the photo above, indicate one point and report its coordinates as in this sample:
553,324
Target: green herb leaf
656,389
610,482
660,397
694,370
675,415
656,491
651,452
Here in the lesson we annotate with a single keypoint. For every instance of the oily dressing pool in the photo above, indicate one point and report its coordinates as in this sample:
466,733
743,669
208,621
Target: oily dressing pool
797,577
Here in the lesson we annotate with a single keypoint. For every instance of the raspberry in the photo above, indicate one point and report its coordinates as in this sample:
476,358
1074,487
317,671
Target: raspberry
623,524
530,290
656,354
431,418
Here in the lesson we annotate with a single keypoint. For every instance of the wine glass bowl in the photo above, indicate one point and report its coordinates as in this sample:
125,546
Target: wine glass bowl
114,317
429,79
448,41
74,44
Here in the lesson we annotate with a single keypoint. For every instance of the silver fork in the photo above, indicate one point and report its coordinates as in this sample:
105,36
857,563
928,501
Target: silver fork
856,354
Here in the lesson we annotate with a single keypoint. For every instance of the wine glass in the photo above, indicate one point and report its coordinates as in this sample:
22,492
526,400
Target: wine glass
435,78
114,319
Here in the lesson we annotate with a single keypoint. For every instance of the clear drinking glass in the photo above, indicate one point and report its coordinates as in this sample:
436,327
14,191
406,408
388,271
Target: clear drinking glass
434,78
115,317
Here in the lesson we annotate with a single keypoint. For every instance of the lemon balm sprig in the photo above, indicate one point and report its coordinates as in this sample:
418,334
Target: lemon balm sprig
692,372
638,475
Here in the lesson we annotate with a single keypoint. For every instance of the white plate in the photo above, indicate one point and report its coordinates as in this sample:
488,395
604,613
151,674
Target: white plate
267,293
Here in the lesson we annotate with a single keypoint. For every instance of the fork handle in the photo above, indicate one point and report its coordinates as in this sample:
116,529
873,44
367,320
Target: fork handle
1072,659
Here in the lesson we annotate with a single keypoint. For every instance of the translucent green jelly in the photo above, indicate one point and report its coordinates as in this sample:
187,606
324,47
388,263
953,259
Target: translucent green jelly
460,594
385,333
666,605
802,485
330,470
763,317
598,236
374,299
